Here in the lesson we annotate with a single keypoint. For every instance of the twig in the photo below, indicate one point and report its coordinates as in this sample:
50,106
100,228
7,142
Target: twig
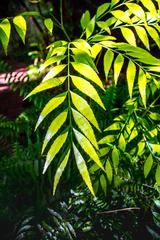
119,210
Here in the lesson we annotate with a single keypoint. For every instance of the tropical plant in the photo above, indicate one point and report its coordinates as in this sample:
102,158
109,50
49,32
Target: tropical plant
73,64
120,37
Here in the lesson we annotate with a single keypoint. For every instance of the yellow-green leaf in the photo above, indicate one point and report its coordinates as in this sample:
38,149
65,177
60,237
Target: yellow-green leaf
55,148
108,59
109,171
154,35
102,8
50,106
155,116
85,19
148,165
60,171
83,169
48,84
121,15
87,72
141,32
50,61
131,73
49,24
83,107
122,142
88,147
118,63
142,82
85,87
115,159
157,175
90,27
85,127
155,148
103,183
136,10
150,6
20,26
128,35
114,2
5,30
54,72
95,50
54,127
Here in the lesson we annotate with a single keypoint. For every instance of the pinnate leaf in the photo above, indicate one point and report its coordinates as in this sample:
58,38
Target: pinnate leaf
50,106
148,165
85,87
55,148
60,171
54,127
87,72
87,147
5,30
131,73
83,169
84,108
20,26
118,63
85,127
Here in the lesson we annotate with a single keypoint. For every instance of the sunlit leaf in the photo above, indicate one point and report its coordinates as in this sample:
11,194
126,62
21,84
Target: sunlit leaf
83,169
90,27
122,143
102,8
87,72
109,171
85,87
153,34
142,82
95,50
49,24
148,165
155,148
115,159
85,127
54,127
108,59
131,73
107,139
118,63
20,26
121,15
150,6
142,35
84,108
87,147
51,60
82,57
48,84
114,2
103,183
50,106
155,116
136,10
54,72
157,175
55,148
128,35
85,19
60,171
5,30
